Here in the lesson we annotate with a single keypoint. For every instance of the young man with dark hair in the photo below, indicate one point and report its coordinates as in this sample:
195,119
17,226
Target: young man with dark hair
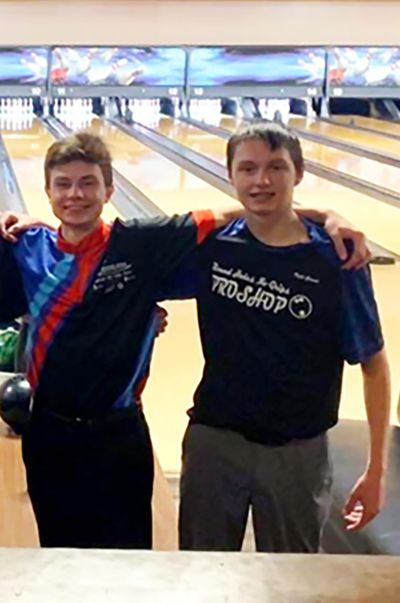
278,317
91,291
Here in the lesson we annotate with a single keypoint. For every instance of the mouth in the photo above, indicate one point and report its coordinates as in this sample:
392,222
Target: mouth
76,208
263,197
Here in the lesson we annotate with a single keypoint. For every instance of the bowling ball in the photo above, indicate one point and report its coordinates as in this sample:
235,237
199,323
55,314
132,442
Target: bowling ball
15,403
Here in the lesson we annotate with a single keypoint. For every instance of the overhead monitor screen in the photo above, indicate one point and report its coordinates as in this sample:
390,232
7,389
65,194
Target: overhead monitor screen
367,66
23,66
145,66
241,66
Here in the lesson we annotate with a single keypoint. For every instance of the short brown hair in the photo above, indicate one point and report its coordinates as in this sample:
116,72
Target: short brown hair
82,146
274,135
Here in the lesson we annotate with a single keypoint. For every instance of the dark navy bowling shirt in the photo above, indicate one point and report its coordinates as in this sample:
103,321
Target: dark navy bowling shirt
276,325
91,308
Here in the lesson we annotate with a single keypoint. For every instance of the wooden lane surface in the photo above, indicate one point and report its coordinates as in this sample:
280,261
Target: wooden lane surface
16,518
380,221
171,188
73,576
374,142
380,125
17,522
369,170
195,138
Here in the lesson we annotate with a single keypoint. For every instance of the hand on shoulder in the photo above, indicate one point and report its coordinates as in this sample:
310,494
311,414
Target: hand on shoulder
12,224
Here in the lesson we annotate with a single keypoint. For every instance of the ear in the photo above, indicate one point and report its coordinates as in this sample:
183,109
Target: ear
47,191
109,193
299,177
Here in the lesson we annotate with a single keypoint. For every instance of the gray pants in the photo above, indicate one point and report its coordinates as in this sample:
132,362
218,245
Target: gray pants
223,474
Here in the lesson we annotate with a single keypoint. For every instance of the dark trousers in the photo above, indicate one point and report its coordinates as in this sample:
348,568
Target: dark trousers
90,483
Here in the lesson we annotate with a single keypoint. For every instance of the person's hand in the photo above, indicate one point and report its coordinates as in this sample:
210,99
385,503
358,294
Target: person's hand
365,501
162,320
13,223
339,229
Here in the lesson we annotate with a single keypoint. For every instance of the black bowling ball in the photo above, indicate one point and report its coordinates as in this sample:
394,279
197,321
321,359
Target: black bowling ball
15,403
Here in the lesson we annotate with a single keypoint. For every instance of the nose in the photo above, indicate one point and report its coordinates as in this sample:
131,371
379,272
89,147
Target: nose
264,178
75,191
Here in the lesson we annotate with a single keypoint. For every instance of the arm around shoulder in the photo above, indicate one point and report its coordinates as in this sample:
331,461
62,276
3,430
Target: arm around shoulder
12,224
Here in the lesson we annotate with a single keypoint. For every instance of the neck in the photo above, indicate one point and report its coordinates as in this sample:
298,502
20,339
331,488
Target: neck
277,229
75,234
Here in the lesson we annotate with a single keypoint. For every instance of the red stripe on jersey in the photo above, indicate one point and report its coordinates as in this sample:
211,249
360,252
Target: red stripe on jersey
205,222
87,262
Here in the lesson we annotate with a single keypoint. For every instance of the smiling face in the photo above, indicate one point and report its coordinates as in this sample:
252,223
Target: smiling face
79,180
264,179
77,193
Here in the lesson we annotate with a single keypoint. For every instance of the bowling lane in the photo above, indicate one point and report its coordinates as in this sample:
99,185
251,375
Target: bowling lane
353,165
27,149
378,220
372,142
17,524
380,125
170,187
194,138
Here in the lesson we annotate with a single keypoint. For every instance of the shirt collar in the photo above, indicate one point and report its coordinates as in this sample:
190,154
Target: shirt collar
96,238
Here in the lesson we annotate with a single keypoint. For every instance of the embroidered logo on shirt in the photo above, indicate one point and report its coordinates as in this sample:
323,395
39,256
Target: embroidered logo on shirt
113,277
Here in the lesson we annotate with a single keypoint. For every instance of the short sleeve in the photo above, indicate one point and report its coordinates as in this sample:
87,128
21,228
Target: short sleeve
361,335
13,301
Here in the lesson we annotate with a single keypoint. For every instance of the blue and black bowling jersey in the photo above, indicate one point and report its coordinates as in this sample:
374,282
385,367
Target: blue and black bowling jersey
91,307
276,325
